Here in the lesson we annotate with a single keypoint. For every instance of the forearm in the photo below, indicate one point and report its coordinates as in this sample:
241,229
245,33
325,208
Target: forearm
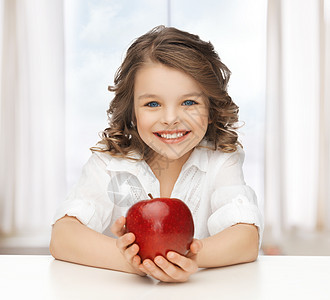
74,242
234,245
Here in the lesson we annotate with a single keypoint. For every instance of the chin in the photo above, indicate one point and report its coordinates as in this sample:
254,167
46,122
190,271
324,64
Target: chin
172,153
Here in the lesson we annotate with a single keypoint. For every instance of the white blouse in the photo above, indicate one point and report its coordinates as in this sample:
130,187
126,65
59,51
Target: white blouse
211,183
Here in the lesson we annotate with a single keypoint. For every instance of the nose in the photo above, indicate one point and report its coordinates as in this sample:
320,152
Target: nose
170,117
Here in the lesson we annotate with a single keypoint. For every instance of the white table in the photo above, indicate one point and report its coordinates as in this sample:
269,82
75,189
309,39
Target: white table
270,277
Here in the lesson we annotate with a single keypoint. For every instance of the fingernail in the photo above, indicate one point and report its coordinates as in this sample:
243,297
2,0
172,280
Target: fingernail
158,260
171,255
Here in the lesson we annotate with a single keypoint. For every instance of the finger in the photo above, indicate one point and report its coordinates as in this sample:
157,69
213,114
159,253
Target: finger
131,252
171,270
183,262
143,269
196,246
136,262
153,270
124,241
118,228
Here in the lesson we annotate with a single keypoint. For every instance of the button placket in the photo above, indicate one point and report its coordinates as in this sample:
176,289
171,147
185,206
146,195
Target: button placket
148,180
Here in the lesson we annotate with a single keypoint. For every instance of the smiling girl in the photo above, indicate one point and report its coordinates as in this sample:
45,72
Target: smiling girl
172,134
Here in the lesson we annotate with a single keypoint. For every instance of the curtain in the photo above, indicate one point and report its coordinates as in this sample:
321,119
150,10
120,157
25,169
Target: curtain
32,168
297,161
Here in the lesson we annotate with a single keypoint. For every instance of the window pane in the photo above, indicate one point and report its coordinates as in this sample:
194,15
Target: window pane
99,32
237,29
97,36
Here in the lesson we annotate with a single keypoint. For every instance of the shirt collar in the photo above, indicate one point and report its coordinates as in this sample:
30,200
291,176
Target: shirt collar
125,165
198,158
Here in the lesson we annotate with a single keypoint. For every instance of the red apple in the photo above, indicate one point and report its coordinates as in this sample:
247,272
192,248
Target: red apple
160,225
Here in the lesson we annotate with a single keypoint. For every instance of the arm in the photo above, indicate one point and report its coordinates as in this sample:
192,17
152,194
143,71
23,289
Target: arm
233,239
74,242
234,245
235,224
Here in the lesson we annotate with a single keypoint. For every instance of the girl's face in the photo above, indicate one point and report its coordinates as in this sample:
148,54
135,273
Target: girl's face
171,111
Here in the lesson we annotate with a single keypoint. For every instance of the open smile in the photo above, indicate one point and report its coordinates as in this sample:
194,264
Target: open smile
171,137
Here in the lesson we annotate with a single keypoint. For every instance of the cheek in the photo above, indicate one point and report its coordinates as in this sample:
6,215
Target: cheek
201,119
143,123
205,121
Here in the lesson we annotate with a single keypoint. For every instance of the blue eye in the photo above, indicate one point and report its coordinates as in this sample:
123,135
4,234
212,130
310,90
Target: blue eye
152,104
189,102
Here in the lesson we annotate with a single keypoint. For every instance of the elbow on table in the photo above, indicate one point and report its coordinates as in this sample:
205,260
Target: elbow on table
58,229
53,249
249,255
62,232
250,244
253,255
253,248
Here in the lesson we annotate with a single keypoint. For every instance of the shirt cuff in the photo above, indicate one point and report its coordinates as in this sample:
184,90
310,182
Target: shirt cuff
82,210
239,210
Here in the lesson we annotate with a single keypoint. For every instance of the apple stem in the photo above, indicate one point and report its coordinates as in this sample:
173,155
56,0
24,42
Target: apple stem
150,196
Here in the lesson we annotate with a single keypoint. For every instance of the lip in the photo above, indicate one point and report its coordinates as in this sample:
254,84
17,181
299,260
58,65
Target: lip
172,141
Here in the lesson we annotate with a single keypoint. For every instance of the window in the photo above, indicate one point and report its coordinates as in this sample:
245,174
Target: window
99,32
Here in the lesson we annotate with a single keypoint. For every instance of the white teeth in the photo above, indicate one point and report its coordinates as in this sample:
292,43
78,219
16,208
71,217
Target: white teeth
172,136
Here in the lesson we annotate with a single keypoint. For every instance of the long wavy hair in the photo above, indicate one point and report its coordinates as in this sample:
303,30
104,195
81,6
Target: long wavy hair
183,51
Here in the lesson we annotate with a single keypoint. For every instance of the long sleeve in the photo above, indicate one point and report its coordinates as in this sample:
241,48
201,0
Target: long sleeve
88,200
232,201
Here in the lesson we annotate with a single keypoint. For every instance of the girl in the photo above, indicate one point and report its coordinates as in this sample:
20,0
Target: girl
171,134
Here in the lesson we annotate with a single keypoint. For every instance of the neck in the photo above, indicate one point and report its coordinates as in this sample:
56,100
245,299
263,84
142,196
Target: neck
161,165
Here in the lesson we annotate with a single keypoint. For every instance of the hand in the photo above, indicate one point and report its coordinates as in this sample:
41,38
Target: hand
175,267
126,246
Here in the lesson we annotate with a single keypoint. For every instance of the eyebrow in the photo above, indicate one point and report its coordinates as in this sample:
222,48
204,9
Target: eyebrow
148,96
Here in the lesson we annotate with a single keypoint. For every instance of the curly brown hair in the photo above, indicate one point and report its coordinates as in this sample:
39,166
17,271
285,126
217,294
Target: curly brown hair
183,51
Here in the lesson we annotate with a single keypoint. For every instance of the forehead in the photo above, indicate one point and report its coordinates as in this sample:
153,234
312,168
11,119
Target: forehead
154,78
